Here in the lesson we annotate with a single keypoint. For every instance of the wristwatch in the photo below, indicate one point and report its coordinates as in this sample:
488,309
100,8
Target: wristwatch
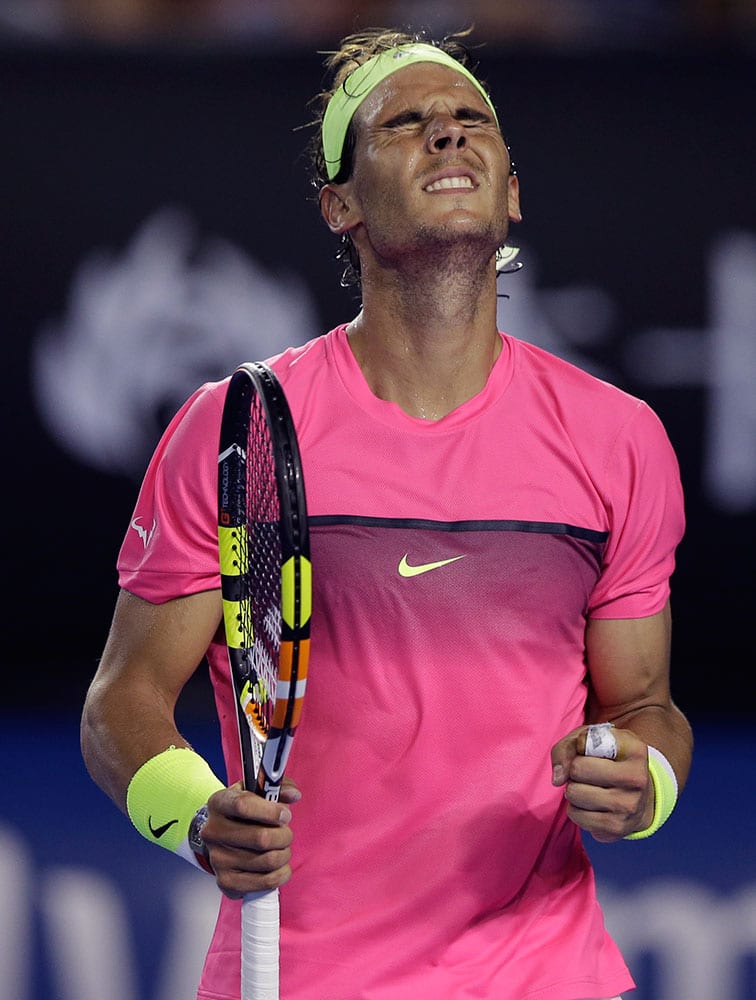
196,842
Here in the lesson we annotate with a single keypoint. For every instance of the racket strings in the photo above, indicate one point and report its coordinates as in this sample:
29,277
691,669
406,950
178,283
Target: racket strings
263,575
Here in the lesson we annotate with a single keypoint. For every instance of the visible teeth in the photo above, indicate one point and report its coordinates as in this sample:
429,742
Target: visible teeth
450,182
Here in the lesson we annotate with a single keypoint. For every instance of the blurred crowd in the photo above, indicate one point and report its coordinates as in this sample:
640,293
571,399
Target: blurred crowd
296,23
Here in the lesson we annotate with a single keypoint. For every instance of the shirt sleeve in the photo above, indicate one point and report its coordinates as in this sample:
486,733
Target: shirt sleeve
645,506
171,545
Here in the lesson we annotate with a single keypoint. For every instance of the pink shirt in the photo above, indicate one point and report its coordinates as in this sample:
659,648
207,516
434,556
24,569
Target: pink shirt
432,854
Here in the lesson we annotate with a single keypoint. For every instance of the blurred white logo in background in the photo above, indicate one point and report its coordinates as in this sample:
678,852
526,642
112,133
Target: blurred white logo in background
146,327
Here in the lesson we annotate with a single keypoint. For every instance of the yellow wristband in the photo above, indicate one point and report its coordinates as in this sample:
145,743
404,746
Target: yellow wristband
665,792
165,794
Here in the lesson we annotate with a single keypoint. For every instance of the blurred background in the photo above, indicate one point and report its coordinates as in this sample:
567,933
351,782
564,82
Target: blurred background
158,228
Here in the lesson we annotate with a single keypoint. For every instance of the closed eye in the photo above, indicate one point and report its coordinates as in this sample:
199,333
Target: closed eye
403,118
464,115
472,116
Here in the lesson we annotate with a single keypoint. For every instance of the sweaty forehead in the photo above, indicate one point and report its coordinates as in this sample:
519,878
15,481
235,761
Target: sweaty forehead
416,84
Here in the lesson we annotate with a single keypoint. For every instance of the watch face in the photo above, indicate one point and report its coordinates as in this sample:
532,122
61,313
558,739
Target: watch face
196,842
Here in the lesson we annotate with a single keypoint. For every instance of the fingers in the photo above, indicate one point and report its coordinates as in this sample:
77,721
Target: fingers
607,797
248,840
289,791
562,755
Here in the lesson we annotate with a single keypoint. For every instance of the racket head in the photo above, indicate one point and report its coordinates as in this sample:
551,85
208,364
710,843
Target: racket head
266,575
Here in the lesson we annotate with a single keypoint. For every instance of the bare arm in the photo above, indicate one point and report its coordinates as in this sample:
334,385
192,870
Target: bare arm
628,665
151,652
628,662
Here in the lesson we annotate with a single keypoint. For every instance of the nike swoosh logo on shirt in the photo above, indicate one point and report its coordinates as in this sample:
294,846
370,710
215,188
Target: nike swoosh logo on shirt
407,571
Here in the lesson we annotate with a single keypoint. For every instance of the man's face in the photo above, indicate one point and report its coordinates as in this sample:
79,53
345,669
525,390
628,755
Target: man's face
431,169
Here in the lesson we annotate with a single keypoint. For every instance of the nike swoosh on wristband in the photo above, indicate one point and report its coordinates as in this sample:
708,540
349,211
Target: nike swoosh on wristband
407,571
158,831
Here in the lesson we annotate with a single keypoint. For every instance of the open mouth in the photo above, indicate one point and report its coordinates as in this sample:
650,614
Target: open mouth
450,184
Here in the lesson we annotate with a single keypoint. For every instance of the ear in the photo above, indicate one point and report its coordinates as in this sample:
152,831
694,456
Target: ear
513,198
336,207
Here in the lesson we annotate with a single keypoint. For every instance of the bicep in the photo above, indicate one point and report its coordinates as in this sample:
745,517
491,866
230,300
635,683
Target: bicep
628,665
160,644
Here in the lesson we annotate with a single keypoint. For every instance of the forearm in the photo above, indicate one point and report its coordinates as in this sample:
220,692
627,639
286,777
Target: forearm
122,726
151,652
628,662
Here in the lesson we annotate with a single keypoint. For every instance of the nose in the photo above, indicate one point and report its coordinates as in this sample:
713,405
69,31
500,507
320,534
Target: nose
445,134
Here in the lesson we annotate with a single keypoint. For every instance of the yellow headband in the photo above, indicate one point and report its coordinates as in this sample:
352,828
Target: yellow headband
365,79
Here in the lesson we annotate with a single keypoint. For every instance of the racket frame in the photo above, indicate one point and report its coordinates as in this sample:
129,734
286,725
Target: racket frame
264,756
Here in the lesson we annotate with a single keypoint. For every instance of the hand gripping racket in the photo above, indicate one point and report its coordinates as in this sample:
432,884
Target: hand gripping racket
266,581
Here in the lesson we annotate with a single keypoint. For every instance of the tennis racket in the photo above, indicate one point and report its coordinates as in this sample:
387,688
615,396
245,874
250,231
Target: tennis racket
266,581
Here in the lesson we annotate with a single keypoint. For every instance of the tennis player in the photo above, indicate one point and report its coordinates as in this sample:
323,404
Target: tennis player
493,533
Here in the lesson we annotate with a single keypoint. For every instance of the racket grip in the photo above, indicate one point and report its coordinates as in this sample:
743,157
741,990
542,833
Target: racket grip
260,930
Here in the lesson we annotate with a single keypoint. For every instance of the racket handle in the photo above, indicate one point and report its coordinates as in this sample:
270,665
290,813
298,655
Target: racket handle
260,929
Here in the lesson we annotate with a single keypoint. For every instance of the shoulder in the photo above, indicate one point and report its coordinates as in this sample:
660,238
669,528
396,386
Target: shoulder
194,424
202,410
565,378
297,363
591,407
307,372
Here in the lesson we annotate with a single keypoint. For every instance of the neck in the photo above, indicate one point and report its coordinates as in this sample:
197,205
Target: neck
427,341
